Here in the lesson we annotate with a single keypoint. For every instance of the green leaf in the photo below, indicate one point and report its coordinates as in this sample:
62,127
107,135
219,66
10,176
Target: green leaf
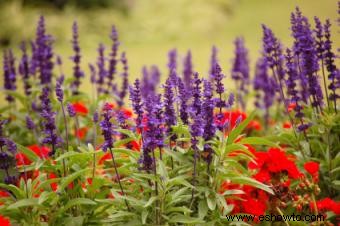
24,203
79,201
151,200
211,201
178,218
202,209
29,154
257,141
178,209
238,130
67,180
252,182
145,214
233,192
19,194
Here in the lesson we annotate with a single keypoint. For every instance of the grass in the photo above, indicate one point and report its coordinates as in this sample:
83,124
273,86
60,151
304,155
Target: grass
152,27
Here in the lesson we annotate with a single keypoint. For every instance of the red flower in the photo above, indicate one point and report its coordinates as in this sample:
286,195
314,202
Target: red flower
255,124
42,152
135,145
232,117
80,108
81,133
287,125
274,161
291,107
4,221
325,205
127,112
312,168
54,185
22,159
254,206
105,157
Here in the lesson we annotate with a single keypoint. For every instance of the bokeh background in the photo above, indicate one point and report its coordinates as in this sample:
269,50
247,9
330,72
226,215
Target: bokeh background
149,28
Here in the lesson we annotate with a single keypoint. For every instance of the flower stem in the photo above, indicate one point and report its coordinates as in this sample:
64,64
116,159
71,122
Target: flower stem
119,182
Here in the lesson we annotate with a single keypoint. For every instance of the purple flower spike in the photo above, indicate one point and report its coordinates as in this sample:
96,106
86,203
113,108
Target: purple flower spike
102,72
172,65
208,117
125,76
58,89
93,73
333,73
49,121
43,53
240,70
184,96
153,135
187,70
95,117
71,111
29,123
9,74
169,113
136,99
76,58
107,127
196,94
113,57
24,69
213,62
264,86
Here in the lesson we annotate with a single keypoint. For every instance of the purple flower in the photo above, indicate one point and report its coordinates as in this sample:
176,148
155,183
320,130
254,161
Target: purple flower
333,73
7,161
125,84
71,111
272,51
208,117
153,135
231,100
43,53
107,127
113,56
196,125
291,83
172,64
48,116
265,87
196,94
319,38
136,99
58,89
187,70
29,123
240,70
102,72
220,103
93,73
184,96
95,117
169,113
149,81
76,58
213,62
9,74
307,57
24,69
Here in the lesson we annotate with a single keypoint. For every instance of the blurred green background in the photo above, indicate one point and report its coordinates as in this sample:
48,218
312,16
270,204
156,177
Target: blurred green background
149,28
